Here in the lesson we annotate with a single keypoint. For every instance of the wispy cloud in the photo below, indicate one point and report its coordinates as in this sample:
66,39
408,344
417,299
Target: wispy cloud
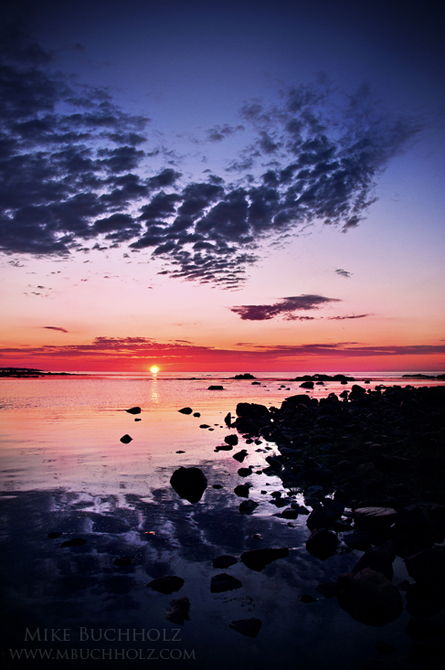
61,330
286,307
343,273
78,171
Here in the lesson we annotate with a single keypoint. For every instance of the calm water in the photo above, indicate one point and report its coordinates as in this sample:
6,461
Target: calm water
64,469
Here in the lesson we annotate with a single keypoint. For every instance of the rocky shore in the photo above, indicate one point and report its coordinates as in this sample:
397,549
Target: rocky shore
371,465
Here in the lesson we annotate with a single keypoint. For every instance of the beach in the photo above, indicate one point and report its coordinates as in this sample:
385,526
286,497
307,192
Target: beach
90,522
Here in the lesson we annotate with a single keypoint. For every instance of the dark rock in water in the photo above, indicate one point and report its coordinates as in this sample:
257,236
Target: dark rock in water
374,518
248,506
223,562
224,582
204,426
138,419
240,455
231,439
125,439
180,451
185,410
357,392
180,611
249,627
189,483
242,490
307,385
122,562
75,542
228,419
53,535
251,417
323,515
167,585
217,486
368,597
322,543
223,447
359,539
246,375
307,598
197,414
245,472
134,410
427,566
257,559
289,513
378,560
215,387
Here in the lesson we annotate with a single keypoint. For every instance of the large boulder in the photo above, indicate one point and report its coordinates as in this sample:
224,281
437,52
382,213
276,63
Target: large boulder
367,596
189,483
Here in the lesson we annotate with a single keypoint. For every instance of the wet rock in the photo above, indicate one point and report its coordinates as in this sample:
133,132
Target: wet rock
231,439
224,582
374,519
289,513
427,566
323,515
246,375
197,414
378,560
322,543
356,392
180,611
75,542
307,385
248,506
240,455
126,439
204,426
224,447
166,585
217,486
251,417
122,562
185,410
228,419
138,419
257,559
134,410
223,562
242,490
54,535
189,483
245,472
215,387
368,597
249,627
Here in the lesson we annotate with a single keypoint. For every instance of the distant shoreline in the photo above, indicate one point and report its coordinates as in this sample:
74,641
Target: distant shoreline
32,373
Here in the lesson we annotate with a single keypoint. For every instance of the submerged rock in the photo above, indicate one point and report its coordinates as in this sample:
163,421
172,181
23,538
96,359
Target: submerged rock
257,559
189,483
367,596
224,582
180,611
167,585
249,627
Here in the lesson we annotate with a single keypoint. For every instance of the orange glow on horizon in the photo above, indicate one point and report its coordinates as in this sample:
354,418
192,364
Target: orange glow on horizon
154,369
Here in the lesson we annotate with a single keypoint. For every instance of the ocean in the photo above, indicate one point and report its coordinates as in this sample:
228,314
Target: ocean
64,470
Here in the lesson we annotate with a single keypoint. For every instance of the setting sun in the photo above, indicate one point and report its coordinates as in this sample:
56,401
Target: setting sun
154,369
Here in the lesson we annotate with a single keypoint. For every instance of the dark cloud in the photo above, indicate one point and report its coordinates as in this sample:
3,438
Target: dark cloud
61,330
286,307
351,316
76,171
343,273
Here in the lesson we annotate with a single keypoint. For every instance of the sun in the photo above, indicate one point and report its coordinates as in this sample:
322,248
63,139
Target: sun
154,369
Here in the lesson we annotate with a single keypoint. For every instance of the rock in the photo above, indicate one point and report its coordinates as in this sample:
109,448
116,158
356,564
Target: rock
189,483
197,414
134,410
377,559
412,519
322,543
180,611
257,559
204,426
167,585
368,597
224,447
427,566
231,439
53,535
215,387
242,490
246,375
217,486
223,562
307,385
357,392
289,513
375,519
122,562
185,410
228,419
248,506
75,542
359,539
240,455
245,472
323,515
224,582
249,627
126,439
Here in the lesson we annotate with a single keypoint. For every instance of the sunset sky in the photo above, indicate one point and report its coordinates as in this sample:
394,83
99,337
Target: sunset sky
235,186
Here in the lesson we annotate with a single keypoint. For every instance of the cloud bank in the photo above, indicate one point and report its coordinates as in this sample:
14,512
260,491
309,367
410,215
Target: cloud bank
286,307
77,171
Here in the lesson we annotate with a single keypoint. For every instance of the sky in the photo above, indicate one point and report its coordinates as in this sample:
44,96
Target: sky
224,186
